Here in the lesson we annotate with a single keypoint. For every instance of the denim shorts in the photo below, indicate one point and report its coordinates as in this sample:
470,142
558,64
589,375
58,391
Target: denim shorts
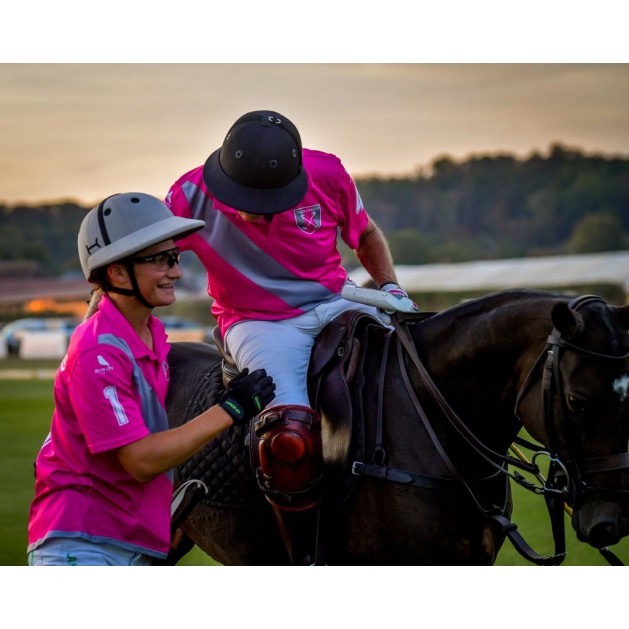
60,551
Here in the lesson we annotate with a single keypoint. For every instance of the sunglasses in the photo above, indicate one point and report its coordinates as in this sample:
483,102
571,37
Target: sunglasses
160,260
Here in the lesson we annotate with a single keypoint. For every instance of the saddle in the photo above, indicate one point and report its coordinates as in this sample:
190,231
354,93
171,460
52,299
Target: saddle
334,365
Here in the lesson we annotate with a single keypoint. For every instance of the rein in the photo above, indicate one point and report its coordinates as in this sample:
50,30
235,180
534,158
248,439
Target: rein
560,482
495,513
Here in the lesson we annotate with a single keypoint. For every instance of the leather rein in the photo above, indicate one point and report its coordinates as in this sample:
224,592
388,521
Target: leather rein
560,483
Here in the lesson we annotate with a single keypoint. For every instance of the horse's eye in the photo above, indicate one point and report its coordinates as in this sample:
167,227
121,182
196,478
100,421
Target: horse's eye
577,405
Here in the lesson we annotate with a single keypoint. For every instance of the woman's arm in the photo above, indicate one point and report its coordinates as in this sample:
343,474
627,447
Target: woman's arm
245,396
158,452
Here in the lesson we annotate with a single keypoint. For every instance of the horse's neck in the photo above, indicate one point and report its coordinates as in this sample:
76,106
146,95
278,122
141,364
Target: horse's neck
490,341
479,360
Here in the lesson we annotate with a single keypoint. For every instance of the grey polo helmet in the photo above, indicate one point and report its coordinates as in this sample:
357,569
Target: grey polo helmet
124,224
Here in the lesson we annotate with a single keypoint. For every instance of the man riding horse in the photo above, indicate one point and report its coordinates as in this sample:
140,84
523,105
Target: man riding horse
272,213
435,405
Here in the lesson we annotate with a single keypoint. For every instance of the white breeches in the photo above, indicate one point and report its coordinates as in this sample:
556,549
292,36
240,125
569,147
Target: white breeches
283,347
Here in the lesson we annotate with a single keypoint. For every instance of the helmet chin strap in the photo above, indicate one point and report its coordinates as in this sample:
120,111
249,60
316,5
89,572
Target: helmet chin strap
135,292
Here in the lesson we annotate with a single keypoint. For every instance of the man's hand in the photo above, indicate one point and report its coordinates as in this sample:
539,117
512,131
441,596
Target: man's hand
397,291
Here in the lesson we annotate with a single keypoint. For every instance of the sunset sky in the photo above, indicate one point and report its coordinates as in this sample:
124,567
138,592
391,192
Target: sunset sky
85,131
129,97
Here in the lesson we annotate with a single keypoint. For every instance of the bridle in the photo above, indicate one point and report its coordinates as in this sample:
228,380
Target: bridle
567,475
566,478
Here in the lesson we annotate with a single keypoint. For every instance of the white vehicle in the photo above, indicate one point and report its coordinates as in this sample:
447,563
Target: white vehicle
13,334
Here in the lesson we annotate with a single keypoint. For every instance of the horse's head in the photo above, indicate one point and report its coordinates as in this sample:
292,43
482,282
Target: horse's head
584,374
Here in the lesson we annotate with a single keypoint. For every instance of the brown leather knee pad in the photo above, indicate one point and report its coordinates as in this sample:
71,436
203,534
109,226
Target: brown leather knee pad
291,458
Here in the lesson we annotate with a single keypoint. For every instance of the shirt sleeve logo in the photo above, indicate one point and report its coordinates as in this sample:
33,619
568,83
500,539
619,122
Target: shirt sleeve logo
105,367
308,219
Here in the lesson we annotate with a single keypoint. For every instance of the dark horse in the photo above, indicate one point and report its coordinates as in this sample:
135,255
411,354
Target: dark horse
435,406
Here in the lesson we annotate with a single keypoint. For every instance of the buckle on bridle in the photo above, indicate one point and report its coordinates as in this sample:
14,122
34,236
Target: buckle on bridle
561,472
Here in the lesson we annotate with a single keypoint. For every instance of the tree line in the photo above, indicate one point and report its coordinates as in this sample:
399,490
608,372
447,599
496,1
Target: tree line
483,207
490,207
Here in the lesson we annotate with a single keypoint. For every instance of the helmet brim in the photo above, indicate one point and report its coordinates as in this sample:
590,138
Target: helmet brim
252,200
173,227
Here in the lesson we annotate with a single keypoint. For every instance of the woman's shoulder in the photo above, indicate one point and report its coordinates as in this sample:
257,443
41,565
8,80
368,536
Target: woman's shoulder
94,336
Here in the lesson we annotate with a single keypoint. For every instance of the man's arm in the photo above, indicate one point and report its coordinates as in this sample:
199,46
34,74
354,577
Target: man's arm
374,254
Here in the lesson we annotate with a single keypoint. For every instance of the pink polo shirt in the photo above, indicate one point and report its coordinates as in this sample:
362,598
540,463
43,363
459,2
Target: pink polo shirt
81,490
278,269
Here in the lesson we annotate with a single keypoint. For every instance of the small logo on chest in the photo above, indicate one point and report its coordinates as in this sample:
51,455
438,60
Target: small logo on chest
308,219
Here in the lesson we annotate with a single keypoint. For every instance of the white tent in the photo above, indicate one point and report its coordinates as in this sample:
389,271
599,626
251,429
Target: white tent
547,272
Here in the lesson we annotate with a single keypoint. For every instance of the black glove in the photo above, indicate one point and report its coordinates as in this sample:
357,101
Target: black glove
247,394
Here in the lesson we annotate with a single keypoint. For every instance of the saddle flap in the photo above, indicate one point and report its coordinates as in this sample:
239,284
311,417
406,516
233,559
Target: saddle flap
334,364
335,339
326,346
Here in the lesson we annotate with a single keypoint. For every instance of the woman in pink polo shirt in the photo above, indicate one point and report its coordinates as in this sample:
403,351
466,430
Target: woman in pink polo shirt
103,483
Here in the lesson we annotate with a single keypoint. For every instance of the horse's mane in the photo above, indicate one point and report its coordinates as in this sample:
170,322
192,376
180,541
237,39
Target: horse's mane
494,317
487,303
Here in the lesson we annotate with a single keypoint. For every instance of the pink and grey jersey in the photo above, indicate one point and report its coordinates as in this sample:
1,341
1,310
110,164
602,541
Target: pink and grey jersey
109,391
277,269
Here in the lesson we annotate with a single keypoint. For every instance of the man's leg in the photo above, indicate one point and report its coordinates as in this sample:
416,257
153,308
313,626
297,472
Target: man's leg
289,432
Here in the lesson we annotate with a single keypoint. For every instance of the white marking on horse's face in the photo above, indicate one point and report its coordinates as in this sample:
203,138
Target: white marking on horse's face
621,386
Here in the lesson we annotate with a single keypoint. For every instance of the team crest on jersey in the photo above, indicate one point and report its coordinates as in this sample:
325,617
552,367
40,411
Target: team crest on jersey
308,219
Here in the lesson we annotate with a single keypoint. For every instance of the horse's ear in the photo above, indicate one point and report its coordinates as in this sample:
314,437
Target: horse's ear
566,320
622,315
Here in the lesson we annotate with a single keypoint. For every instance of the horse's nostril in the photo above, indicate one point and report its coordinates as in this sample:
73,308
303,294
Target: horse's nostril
603,534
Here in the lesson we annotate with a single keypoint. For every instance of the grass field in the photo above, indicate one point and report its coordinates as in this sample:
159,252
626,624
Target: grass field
25,410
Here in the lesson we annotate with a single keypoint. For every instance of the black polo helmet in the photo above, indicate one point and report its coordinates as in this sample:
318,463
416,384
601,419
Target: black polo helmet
259,167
